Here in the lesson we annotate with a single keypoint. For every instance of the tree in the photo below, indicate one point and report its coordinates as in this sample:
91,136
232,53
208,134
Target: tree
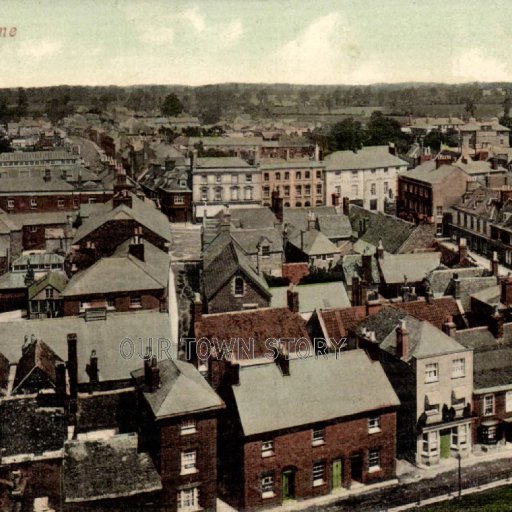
507,104
470,107
172,105
304,97
22,103
382,130
346,135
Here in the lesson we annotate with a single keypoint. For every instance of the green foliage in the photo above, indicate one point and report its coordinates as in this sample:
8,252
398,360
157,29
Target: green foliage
322,275
346,135
495,500
172,105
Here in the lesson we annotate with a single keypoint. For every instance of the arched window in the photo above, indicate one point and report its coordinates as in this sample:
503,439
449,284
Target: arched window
307,203
298,204
239,286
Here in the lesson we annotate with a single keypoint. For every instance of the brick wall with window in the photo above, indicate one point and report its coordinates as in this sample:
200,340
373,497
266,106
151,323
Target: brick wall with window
313,453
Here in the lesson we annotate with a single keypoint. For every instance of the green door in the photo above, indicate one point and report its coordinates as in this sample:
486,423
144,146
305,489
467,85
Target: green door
287,485
445,444
336,473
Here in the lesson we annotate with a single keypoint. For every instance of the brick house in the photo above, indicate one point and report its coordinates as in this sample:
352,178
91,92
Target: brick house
179,428
271,451
134,278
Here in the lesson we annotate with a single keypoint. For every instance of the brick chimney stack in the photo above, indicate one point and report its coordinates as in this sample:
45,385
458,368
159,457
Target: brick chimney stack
494,264
506,291
356,291
449,327
72,365
380,250
154,375
198,307
136,247
60,381
283,360
292,296
92,371
277,205
402,340
346,206
367,267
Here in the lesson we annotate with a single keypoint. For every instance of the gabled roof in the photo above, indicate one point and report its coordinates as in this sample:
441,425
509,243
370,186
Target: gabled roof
141,212
335,226
430,174
395,268
56,280
222,264
251,239
298,217
250,218
122,272
267,401
36,354
183,390
312,242
107,469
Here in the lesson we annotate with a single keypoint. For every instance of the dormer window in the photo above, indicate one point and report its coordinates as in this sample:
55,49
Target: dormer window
265,251
239,287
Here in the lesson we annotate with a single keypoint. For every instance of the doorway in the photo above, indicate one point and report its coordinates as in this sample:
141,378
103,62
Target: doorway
356,467
445,444
288,484
336,474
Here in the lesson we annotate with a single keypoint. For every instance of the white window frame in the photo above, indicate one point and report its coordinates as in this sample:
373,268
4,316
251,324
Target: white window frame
458,368
267,448
234,286
135,301
179,199
374,424
430,441
431,372
60,203
188,426
10,203
373,460
188,500
318,474
485,410
33,202
508,401
318,436
267,485
188,462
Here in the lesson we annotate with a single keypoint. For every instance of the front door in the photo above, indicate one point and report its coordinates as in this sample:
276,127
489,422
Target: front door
336,474
356,467
288,484
445,444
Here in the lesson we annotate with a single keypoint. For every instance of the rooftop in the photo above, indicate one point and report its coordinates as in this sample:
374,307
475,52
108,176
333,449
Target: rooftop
369,157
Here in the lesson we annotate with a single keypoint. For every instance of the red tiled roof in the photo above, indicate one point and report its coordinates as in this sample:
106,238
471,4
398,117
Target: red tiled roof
295,271
259,325
434,312
338,322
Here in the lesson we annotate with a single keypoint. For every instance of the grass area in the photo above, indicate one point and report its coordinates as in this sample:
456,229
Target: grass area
495,500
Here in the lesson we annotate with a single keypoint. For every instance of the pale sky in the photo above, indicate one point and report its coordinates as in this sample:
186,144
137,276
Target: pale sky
195,42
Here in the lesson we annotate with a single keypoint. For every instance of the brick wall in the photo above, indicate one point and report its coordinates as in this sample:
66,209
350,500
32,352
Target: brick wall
500,412
295,271
204,442
225,299
34,237
293,449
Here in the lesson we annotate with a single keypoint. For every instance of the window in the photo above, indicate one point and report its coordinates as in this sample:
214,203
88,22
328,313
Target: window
49,293
458,368
33,229
111,302
234,179
319,189
265,251
287,190
374,424
188,499
267,485
307,175
218,194
266,176
278,175
286,175
307,190
248,193
239,287
373,189
60,203
429,442
75,203
386,187
318,474
266,191
431,372
204,194
318,437
188,462
298,190
439,210
298,175
318,174
135,301
33,202
354,173
488,405
10,203
188,427
204,178
374,204
267,448
234,194
508,401
355,191
92,200
248,178
373,460
179,199
337,189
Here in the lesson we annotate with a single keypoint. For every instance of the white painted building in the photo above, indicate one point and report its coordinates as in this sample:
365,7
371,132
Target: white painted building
369,175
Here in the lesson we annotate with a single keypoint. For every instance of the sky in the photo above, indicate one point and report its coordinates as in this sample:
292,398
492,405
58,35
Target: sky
197,42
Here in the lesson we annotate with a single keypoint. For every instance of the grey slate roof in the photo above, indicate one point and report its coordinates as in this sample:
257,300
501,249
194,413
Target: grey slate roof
250,239
440,279
251,218
122,272
221,162
313,296
298,217
268,401
103,336
57,280
141,211
107,469
183,390
429,174
312,242
335,226
370,157
352,265
416,266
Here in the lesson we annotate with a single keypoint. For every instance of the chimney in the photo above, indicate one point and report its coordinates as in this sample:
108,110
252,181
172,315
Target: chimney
380,250
147,368
439,162
317,152
463,250
392,149
429,296
73,365
335,199
363,292
60,381
456,286
494,264
47,175
198,307
402,340
346,206
494,164
356,291
496,325
449,327
311,219
506,291
92,371
136,247
277,205
154,375
292,296
283,360
234,373
122,197
217,368
367,267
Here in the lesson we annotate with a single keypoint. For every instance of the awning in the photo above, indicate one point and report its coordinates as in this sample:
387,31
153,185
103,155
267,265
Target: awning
489,423
433,398
459,393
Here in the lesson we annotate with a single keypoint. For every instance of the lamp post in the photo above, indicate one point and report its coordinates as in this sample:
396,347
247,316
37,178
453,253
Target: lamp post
459,459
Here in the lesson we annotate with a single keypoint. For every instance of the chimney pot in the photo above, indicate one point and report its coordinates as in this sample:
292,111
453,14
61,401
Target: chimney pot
402,339
292,296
